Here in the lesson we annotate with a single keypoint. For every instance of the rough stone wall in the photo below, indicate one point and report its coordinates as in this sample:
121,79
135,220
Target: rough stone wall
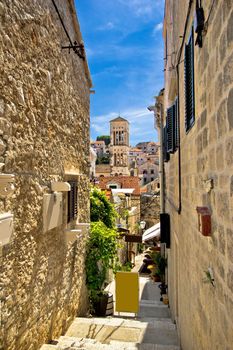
44,133
203,312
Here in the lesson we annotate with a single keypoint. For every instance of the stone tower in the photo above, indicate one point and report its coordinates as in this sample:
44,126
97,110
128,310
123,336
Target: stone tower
119,147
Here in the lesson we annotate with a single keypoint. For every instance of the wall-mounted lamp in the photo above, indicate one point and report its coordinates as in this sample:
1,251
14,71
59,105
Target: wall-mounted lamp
199,23
151,108
142,224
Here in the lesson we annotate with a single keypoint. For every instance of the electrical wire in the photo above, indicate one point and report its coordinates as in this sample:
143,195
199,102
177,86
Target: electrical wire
211,8
61,20
65,30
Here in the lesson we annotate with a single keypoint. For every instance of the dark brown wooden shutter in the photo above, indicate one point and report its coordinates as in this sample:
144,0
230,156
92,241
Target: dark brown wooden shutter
177,126
166,155
72,201
171,129
189,83
165,229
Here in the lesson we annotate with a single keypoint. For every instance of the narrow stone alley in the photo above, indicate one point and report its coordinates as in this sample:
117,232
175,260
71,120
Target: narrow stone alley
151,329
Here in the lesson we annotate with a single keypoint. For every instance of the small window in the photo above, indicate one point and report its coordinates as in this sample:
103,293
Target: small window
152,179
112,186
72,201
152,171
145,172
189,83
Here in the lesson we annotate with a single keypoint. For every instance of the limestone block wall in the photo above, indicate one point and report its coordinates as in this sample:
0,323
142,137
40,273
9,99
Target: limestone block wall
203,312
44,136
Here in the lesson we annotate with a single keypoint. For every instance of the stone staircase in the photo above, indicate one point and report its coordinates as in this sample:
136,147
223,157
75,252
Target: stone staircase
152,329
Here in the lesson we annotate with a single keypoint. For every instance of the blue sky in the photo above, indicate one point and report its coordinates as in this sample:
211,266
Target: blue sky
123,41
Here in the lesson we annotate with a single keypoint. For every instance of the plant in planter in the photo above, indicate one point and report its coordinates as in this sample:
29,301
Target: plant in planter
160,263
101,256
154,273
101,249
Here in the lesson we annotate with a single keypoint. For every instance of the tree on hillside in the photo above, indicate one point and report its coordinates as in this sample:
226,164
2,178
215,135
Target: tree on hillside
105,138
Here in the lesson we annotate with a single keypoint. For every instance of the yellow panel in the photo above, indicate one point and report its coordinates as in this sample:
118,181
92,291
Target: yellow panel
127,292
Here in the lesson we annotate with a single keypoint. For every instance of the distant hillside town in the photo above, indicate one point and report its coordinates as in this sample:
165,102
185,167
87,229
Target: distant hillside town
111,155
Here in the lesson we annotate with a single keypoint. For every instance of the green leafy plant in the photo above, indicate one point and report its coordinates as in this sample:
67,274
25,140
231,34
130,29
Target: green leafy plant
105,138
160,265
101,247
126,267
101,208
101,256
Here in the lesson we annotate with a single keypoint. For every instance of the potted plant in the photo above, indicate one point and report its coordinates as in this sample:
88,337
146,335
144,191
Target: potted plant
160,263
154,273
101,256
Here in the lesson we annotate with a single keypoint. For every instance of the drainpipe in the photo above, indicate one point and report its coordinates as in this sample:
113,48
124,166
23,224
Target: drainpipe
161,165
157,108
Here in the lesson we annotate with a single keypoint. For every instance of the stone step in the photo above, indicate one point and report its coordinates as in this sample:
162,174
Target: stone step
152,302
150,310
104,330
72,343
146,346
142,323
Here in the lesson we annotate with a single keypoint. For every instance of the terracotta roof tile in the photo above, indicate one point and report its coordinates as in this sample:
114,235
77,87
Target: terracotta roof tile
124,181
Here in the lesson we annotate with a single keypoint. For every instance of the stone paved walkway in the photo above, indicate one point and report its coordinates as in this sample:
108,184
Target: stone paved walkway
152,329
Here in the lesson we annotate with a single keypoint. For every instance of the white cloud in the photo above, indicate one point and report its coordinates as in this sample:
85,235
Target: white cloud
107,26
157,28
143,7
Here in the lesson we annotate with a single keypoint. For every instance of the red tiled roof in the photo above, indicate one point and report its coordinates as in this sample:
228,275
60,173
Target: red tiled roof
124,181
98,142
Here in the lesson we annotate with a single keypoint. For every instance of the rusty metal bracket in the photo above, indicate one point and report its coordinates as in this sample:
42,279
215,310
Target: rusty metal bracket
78,49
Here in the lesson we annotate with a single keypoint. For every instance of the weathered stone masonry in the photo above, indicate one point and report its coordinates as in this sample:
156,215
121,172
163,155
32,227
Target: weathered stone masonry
44,133
203,312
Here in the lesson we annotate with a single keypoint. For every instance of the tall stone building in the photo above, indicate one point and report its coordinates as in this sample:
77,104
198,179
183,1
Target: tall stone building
44,171
198,155
119,146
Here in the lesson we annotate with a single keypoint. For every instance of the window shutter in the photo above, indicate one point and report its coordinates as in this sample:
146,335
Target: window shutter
171,129
166,155
177,126
72,201
189,83
165,229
